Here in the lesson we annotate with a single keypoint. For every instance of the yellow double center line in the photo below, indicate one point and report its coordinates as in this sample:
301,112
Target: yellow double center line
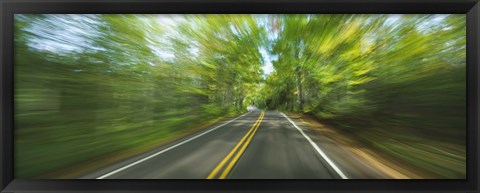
243,143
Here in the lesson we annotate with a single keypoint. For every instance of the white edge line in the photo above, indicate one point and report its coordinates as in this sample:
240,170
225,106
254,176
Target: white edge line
315,146
167,149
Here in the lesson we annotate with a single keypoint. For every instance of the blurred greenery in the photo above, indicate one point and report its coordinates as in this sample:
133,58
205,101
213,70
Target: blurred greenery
397,83
90,85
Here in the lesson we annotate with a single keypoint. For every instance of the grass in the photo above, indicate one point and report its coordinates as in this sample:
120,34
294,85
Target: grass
428,157
66,159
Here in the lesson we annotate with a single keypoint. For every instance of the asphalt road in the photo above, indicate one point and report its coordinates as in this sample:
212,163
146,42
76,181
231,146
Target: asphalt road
256,145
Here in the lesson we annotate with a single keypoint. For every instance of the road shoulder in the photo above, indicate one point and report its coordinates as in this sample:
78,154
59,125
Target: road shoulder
357,160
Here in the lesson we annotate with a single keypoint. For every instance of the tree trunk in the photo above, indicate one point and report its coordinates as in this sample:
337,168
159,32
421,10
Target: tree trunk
240,103
299,89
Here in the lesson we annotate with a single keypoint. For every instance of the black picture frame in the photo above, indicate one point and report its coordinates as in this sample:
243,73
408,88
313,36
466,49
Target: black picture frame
10,7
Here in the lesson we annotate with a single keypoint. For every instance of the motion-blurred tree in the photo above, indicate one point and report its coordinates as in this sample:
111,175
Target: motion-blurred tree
90,85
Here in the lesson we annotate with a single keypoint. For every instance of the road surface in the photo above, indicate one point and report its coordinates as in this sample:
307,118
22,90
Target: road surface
256,145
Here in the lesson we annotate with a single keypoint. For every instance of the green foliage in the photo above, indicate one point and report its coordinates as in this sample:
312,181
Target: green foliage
90,85
368,74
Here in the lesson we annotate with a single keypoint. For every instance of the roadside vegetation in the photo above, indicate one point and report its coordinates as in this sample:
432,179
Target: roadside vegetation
396,83
87,86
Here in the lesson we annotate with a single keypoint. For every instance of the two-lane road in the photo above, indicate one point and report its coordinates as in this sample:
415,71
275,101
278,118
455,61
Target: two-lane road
256,145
